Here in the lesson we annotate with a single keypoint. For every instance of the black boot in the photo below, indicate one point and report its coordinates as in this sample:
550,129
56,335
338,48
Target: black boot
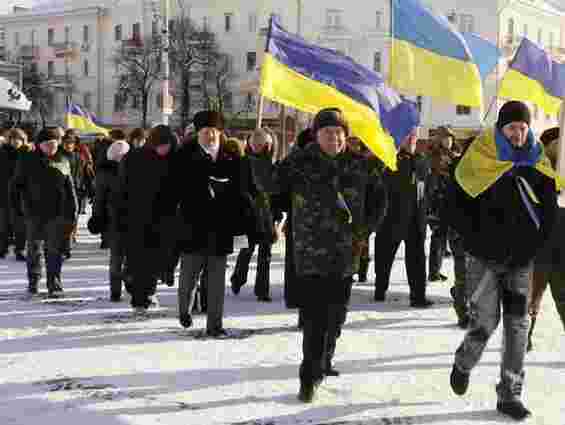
308,390
54,287
32,285
363,269
459,381
515,409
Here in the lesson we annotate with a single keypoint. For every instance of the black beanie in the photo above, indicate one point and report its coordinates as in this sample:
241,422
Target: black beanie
47,134
204,119
513,111
329,117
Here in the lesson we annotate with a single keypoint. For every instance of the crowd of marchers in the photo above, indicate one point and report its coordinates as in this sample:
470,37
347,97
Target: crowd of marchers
160,202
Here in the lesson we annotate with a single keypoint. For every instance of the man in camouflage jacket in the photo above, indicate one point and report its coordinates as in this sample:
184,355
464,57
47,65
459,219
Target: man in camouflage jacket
328,193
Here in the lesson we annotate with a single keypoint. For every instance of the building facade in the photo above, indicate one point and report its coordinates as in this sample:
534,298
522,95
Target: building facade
75,40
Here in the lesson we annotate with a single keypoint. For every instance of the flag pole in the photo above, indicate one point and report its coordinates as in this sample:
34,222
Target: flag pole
560,165
261,97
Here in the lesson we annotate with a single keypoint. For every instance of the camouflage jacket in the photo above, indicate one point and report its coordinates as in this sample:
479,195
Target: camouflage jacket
329,203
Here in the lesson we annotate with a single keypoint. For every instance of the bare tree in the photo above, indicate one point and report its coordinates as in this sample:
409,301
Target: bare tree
139,65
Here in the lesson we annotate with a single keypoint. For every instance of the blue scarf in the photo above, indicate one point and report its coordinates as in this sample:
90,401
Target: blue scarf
528,156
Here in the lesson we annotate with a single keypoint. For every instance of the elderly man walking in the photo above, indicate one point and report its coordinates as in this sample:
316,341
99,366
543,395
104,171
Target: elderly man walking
504,205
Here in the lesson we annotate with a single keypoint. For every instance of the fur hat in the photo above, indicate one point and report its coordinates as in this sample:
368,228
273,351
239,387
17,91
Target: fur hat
204,119
117,150
513,111
549,135
329,117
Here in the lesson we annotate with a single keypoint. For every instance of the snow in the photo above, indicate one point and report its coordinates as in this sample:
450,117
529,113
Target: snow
84,360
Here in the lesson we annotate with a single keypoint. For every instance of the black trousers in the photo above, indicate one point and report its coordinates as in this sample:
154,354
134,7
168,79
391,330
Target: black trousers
262,279
386,245
322,324
438,246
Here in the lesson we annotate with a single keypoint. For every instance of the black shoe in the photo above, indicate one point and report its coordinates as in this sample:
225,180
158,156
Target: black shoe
463,322
264,298
185,320
378,297
362,278
330,371
115,298
216,333
425,303
20,257
459,381
437,277
32,287
515,409
104,245
236,285
67,255
308,391
3,254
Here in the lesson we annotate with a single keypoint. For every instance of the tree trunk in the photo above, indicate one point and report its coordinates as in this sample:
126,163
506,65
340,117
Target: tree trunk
144,106
185,107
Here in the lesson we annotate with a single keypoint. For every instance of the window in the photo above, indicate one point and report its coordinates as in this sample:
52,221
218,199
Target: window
466,23
252,22
118,103
50,69
33,38
377,62
67,35
228,21
135,102
118,32
50,36
85,35
228,101
551,40
525,32
462,110
419,103
16,39
171,27
154,28
334,18
452,17
511,29
251,61
378,19
85,68
136,31
205,23
87,101
540,37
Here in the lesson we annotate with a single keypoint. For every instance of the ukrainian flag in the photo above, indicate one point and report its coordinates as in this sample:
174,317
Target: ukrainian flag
307,77
534,77
430,58
82,120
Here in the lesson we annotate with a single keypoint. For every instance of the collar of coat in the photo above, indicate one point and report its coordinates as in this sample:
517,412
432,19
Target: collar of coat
491,156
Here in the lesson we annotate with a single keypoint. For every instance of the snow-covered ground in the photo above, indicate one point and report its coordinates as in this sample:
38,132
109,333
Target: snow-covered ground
86,361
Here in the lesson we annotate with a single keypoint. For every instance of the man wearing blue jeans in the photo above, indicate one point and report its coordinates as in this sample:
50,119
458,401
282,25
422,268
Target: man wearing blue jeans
504,205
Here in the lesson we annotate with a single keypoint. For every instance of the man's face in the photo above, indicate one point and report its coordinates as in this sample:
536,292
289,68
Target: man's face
517,133
409,143
163,150
49,147
138,143
69,146
447,143
261,145
331,139
209,136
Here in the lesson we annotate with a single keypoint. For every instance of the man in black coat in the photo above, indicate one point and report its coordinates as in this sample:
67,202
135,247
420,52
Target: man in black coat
503,206
405,221
43,192
207,215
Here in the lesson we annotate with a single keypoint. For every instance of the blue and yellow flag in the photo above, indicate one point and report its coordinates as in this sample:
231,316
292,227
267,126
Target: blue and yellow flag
82,120
307,77
534,77
430,58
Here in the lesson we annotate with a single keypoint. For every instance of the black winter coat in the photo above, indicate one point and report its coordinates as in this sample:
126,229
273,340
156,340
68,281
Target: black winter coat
210,200
8,158
106,204
402,187
496,226
44,186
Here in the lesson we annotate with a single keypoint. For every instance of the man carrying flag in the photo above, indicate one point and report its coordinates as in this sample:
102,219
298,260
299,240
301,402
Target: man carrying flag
504,204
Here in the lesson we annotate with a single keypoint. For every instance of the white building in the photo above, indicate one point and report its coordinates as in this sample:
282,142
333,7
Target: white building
78,37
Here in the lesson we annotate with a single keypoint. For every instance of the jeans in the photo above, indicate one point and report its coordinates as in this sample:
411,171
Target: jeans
489,287
46,236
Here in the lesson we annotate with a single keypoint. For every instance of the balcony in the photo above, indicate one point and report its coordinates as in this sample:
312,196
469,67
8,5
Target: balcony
29,52
65,49
132,44
60,81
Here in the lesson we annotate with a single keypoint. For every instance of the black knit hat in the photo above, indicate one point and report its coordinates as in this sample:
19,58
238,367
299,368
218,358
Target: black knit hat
549,135
329,117
46,134
204,119
513,111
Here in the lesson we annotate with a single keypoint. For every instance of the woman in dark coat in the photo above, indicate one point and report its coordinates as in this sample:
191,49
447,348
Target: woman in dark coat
147,213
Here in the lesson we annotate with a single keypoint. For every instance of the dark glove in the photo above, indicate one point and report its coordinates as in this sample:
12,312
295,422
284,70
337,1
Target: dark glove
96,225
